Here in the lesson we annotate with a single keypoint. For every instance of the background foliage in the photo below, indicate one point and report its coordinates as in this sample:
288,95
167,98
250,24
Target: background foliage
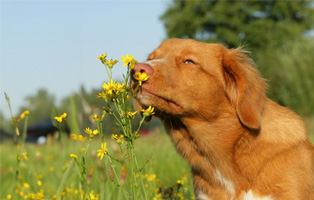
258,24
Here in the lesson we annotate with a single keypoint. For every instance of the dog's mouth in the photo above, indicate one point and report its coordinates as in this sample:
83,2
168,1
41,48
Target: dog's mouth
161,104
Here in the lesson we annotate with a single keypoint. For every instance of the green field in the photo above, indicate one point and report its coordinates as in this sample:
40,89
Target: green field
42,174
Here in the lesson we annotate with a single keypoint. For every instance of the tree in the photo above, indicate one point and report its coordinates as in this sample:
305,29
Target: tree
4,123
40,106
255,24
290,72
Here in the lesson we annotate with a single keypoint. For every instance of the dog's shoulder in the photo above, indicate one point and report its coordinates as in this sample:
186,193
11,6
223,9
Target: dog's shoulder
282,125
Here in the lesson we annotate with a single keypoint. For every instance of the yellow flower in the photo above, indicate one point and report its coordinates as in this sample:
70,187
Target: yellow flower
131,115
39,183
158,192
179,195
61,118
149,111
111,63
141,77
9,196
96,117
101,152
24,154
119,139
26,185
133,63
92,196
91,132
114,136
73,156
109,86
39,176
73,136
151,177
24,114
127,59
110,89
180,183
103,56
101,95
81,138
83,149
40,195
119,87
107,110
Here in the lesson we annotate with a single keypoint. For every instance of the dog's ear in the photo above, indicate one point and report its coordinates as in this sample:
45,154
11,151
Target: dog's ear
244,87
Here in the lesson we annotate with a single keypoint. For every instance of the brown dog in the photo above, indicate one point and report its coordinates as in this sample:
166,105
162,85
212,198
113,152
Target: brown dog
240,144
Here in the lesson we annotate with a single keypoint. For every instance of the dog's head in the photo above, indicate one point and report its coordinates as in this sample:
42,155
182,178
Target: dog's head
188,78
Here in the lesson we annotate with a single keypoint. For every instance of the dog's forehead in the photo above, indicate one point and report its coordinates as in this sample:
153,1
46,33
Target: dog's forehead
188,45
177,44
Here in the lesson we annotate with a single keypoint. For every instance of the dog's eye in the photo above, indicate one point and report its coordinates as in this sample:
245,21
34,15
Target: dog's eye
188,61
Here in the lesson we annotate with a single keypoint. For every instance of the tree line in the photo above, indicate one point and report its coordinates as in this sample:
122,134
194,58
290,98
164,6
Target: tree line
79,106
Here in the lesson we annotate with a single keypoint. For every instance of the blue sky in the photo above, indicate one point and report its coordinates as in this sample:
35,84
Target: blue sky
55,44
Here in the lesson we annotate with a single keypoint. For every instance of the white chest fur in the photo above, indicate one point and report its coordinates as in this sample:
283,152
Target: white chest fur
229,187
225,183
250,196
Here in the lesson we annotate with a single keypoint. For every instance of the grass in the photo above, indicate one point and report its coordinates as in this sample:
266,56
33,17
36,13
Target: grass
309,121
46,165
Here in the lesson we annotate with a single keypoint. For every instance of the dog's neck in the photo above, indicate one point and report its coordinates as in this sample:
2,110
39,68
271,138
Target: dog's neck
211,139
208,146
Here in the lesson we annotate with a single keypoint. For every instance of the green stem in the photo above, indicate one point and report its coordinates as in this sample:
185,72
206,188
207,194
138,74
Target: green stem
132,172
24,134
109,72
9,104
64,179
114,158
139,127
121,121
127,75
138,86
140,172
84,173
101,131
114,171
19,154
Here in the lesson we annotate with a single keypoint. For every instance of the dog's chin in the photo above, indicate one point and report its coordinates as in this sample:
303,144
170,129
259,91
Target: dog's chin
163,107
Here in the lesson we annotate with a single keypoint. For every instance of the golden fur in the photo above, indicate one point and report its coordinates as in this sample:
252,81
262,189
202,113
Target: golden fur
240,144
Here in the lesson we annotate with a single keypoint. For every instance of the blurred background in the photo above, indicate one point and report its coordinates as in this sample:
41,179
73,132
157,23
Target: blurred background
49,50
